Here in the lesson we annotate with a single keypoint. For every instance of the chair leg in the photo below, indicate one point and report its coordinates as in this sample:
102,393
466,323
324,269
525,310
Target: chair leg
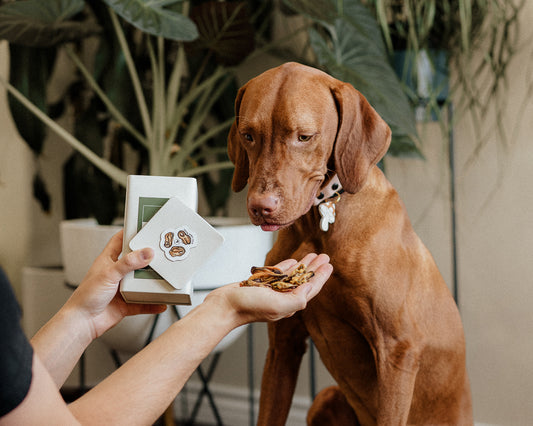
205,391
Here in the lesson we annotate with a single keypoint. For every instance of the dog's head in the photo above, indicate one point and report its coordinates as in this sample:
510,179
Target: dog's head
292,124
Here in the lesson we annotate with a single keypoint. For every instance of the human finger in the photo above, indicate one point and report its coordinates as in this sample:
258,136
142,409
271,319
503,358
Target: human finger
132,261
143,308
322,274
113,247
322,269
314,262
286,264
311,261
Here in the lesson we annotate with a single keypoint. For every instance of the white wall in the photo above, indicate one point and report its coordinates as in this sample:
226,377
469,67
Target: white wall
495,248
27,235
15,190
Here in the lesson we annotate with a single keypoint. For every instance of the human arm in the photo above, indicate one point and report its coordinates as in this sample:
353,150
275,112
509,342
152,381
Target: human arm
139,391
94,307
145,385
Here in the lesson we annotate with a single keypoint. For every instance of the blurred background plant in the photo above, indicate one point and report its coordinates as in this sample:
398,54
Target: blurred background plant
157,80
474,39
141,87
346,41
422,40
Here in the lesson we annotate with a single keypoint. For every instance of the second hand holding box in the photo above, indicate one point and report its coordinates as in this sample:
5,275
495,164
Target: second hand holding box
161,213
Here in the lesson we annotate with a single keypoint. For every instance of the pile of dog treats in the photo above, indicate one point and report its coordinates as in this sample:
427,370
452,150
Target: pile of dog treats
274,278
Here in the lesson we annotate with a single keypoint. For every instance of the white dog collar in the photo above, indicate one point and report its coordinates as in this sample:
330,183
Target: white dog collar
326,201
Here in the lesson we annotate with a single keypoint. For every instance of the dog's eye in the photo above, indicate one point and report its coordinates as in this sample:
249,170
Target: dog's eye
248,137
304,138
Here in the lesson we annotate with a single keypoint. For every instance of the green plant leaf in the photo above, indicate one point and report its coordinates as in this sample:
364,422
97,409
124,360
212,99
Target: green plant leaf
40,23
88,192
225,30
40,193
348,60
358,16
30,70
371,75
352,50
153,17
318,10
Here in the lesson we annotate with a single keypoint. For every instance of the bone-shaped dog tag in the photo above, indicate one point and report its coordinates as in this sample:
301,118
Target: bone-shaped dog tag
327,214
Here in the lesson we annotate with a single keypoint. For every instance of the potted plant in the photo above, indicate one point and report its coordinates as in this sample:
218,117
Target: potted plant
346,41
177,121
475,39
157,82
172,98
366,41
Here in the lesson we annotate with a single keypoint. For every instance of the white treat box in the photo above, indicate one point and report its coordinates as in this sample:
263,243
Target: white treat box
145,195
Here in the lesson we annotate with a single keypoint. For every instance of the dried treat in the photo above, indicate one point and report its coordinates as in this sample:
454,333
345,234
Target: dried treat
177,251
169,237
184,237
274,278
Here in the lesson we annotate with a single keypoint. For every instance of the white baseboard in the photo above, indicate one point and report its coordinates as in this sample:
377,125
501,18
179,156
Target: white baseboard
233,404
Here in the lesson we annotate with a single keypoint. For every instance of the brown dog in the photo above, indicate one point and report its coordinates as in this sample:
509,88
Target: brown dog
385,324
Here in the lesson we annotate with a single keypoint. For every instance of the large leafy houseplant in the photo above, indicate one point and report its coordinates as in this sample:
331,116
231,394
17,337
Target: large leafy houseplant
346,41
177,75
354,40
176,84
148,87
474,38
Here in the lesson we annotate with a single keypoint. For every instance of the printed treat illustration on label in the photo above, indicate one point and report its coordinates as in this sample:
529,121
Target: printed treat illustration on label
177,243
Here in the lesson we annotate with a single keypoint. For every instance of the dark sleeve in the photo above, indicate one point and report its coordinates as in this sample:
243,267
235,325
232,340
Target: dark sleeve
16,352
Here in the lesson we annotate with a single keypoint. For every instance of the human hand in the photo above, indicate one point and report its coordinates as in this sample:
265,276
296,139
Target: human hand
252,304
97,298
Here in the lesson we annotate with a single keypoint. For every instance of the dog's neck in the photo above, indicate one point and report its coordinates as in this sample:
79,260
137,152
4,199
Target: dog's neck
326,200
331,189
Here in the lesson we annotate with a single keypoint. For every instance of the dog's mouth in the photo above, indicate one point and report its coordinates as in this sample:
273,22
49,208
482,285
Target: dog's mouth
286,215
272,227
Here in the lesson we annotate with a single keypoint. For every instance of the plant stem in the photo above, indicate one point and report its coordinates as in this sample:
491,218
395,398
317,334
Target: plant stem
160,100
465,14
204,169
192,143
143,108
105,166
117,115
155,165
174,82
188,99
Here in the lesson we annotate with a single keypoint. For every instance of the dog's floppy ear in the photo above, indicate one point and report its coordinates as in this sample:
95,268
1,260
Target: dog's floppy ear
236,152
362,140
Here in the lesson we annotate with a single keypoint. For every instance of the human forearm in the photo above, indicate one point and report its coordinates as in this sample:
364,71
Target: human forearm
141,389
94,307
61,341
145,385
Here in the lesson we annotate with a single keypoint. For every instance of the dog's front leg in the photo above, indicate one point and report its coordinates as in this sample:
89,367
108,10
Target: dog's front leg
397,367
287,344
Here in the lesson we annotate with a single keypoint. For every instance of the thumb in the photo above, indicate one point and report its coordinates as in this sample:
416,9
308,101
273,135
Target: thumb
130,262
